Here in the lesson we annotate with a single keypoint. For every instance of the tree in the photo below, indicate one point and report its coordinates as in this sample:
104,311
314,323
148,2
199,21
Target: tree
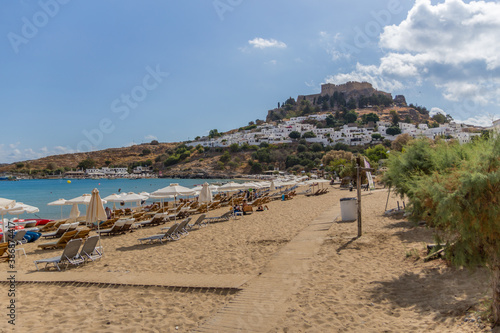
350,117
256,168
401,141
234,147
377,136
455,188
225,157
395,118
301,148
439,118
294,135
393,130
317,147
214,133
366,118
87,163
146,152
330,121
154,142
376,153
308,135
351,104
51,166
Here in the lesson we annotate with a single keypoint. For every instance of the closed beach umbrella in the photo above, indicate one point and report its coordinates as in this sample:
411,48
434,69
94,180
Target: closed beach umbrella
58,202
95,211
205,194
75,212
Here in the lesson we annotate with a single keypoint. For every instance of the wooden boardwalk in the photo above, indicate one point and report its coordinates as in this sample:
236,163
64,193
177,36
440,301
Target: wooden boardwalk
262,303
205,281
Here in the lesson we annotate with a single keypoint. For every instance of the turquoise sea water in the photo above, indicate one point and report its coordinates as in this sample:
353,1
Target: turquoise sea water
39,192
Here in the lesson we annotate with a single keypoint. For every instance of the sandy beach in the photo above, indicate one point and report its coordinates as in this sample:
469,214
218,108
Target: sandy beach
377,283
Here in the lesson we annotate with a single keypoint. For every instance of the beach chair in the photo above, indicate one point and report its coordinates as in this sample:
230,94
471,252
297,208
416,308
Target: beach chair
127,226
18,237
89,249
157,219
3,250
224,217
69,256
181,229
198,223
60,243
117,227
59,232
52,225
169,235
82,233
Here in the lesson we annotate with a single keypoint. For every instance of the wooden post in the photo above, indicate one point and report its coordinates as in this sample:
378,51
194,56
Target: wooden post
358,185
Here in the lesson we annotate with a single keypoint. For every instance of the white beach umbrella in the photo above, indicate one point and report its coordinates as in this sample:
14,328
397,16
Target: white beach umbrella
114,198
13,207
58,202
21,208
133,197
231,186
95,211
83,199
174,189
205,194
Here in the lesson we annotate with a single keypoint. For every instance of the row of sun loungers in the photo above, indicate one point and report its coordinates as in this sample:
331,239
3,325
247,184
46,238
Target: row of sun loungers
73,255
176,231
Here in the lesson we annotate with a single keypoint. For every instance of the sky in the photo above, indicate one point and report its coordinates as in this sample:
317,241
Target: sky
88,75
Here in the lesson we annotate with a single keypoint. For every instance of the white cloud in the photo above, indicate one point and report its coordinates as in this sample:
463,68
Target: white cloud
483,120
261,43
452,45
434,111
17,153
271,62
150,137
372,74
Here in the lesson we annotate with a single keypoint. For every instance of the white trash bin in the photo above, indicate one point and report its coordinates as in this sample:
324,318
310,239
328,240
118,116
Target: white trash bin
349,209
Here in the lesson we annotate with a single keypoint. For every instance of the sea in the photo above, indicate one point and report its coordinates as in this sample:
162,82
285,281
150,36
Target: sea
39,192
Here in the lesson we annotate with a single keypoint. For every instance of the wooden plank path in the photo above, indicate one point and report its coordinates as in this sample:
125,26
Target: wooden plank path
262,303
208,281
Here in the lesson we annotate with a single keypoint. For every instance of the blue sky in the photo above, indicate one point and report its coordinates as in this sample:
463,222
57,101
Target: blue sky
90,75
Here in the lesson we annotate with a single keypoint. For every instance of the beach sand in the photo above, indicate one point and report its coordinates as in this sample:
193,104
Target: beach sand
371,284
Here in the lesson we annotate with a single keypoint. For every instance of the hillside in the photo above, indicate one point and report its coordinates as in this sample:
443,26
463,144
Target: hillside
178,160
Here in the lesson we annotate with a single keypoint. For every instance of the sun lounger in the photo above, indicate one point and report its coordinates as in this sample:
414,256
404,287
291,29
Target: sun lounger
117,227
224,217
18,237
89,249
198,223
70,255
169,235
3,250
157,219
59,232
61,242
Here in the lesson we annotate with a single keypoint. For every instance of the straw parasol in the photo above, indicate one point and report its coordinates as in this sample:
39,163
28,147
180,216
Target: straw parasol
95,211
